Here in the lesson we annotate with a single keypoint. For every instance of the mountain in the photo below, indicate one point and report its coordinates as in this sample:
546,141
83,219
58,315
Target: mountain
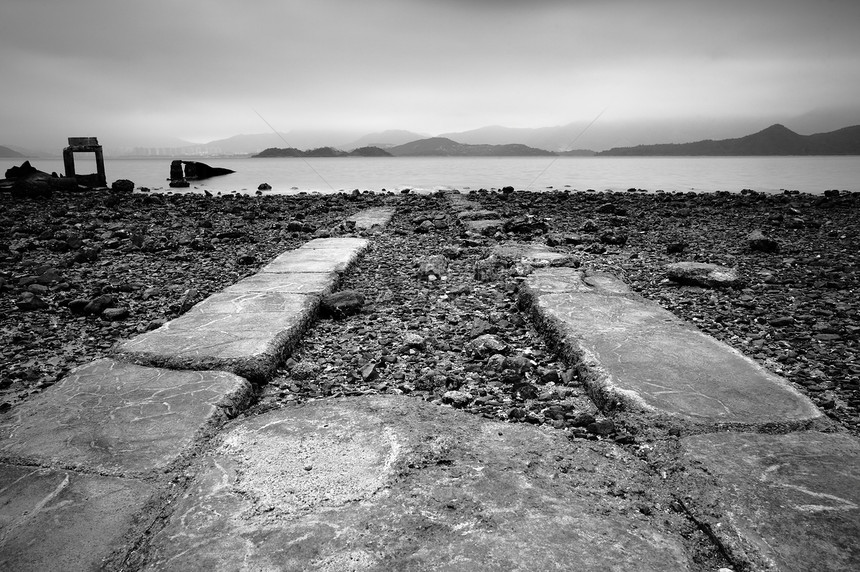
775,140
384,139
7,153
444,147
321,152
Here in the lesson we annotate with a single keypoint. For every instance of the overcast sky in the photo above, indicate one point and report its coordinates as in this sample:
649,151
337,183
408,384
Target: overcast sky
201,69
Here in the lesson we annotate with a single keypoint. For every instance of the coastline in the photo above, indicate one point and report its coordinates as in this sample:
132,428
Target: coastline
797,312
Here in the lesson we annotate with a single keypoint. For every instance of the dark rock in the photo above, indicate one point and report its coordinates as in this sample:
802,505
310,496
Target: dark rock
525,225
603,427
196,171
246,259
122,186
676,247
613,238
99,304
341,304
29,301
264,187
78,306
757,241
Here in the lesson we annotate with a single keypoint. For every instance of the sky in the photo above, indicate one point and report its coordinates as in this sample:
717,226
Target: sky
199,70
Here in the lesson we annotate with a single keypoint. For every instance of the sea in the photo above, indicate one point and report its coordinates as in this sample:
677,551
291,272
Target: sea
537,174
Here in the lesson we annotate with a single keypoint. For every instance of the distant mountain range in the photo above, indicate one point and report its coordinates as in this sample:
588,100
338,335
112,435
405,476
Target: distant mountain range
445,147
7,153
775,140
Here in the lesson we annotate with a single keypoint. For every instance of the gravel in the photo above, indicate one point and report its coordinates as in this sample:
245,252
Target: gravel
428,327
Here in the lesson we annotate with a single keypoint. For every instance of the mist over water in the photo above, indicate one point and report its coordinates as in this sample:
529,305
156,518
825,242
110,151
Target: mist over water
326,175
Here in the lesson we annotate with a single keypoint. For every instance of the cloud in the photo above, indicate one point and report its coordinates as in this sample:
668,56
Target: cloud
198,69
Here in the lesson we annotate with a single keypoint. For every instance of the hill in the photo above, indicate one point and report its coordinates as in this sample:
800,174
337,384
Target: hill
7,153
775,140
322,152
444,147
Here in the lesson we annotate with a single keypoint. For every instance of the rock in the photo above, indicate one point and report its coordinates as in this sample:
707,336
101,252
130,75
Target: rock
485,346
188,299
425,227
246,259
50,276
489,269
264,187
603,427
433,267
676,247
116,314
341,304
78,306
196,171
702,274
99,304
614,238
303,370
122,186
758,242
29,301
413,340
457,399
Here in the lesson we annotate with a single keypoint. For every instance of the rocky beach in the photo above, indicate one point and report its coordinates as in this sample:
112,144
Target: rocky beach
435,316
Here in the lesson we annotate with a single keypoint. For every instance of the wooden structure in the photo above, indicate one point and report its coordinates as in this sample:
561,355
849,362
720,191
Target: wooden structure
85,145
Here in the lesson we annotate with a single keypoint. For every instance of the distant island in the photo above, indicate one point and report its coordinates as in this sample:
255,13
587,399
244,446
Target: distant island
775,140
7,153
322,152
432,147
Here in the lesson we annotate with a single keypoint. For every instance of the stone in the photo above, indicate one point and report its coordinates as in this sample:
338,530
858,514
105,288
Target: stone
486,345
264,187
458,399
29,301
99,304
196,171
433,267
122,186
115,314
757,241
702,274
341,304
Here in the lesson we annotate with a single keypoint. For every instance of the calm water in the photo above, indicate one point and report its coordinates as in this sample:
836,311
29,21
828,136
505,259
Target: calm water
701,174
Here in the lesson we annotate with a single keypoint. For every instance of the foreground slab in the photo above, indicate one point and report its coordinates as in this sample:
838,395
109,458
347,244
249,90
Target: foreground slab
394,483
120,418
241,332
307,283
61,520
633,353
791,502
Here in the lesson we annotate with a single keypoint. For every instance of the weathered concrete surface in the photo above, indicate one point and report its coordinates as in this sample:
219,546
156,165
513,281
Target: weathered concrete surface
483,226
119,418
388,483
319,255
372,217
534,254
310,283
61,520
789,502
635,354
244,333
478,215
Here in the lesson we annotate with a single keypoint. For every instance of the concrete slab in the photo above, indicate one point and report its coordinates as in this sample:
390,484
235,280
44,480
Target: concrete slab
478,214
790,502
369,218
318,257
319,283
232,332
538,255
119,418
395,483
337,243
633,353
61,520
483,226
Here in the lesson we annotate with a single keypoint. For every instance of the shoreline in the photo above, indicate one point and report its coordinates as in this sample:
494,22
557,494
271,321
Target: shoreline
155,255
